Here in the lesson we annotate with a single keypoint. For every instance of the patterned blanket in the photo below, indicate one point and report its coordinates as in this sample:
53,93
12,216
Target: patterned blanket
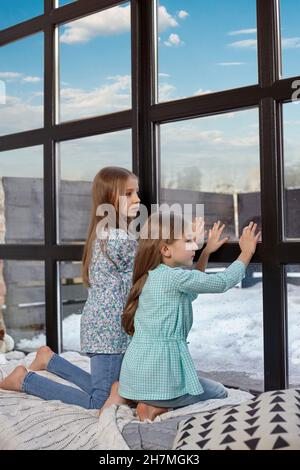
27,422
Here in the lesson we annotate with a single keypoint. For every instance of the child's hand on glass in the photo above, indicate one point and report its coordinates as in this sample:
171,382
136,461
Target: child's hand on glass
249,238
214,235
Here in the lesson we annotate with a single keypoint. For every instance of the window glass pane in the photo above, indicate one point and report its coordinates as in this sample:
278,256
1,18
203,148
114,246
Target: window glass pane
203,47
73,297
291,116
293,290
21,196
16,11
22,302
214,161
226,340
64,2
95,64
21,84
290,37
80,161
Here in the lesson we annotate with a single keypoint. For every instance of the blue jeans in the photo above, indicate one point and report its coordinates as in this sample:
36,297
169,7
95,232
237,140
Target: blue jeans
211,389
95,387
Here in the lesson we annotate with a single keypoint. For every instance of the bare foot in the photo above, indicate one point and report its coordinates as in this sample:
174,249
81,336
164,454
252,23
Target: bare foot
145,411
114,398
14,380
43,356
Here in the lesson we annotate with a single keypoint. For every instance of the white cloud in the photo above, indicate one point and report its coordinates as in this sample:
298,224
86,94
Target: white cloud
82,158
247,141
229,64
112,21
9,75
32,79
164,75
75,104
287,43
183,14
225,159
174,40
190,134
16,76
202,92
19,115
165,19
242,31
291,43
166,92
107,98
245,44
108,22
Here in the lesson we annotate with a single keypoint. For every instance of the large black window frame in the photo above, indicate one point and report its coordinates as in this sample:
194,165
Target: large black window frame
144,118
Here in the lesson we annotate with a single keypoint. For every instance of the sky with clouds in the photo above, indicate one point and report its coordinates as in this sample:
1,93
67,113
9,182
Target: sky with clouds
202,48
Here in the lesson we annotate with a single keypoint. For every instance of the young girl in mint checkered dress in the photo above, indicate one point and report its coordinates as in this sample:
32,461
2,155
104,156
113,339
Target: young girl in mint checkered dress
157,371
107,272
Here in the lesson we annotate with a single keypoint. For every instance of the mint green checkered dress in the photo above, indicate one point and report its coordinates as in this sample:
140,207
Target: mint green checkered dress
157,364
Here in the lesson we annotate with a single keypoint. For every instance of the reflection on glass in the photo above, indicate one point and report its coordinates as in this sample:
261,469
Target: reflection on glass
21,196
14,11
93,84
22,302
214,161
226,340
290,37
80,161
291,119
21,84
293,290
73,297
60,3
204,48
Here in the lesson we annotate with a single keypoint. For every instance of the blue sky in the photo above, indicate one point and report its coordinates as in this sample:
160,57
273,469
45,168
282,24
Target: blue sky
203,47
201,55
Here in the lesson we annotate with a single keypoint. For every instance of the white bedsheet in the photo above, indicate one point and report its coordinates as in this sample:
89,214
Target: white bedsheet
27,422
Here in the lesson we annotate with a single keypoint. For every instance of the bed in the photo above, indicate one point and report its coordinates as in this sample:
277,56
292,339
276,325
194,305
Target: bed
28,422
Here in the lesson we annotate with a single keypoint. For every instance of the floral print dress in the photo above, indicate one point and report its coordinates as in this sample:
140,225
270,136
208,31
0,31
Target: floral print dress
110,276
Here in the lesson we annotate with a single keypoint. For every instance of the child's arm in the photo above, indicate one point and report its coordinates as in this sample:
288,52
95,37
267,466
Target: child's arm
212,245
203,260
196,282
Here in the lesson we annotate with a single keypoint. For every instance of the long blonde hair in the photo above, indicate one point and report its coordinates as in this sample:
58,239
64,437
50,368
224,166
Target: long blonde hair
154,234
108,185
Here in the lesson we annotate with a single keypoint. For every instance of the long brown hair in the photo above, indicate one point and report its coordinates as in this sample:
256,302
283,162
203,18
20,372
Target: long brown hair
153,235
109,183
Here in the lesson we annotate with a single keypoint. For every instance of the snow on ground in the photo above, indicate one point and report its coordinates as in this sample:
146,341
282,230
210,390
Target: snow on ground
227,331
227,334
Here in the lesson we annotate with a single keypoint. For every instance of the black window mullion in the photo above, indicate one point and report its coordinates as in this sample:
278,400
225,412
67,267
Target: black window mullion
135,66
144,156
53,326
274,298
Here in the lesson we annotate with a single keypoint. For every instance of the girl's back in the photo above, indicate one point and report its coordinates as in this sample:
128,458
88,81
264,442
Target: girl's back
164,312
110,276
